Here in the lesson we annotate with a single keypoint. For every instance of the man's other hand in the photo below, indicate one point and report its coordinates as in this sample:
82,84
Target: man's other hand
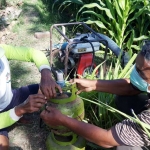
51,116
32,104
47,85
84,85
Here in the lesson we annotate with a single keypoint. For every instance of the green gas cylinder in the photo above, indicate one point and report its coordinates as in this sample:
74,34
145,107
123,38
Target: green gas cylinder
60,137
68,104
57,142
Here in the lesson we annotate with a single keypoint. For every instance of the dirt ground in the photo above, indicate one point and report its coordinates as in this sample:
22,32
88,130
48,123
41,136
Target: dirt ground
21,136
31,136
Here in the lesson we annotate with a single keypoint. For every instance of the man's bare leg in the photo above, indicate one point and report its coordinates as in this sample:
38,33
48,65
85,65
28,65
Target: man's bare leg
4,142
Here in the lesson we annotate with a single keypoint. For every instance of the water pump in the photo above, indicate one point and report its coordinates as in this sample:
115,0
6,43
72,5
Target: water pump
78,53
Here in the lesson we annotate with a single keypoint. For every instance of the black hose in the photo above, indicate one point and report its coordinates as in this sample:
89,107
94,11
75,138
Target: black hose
84,39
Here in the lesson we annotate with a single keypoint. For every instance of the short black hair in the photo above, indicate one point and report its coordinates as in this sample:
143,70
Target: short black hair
145,50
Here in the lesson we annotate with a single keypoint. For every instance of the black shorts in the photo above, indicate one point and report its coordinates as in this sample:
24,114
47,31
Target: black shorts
19,96
135,102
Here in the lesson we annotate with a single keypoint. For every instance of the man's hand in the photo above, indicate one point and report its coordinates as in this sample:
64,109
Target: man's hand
32,104
47,85
52,116
92,133
84,85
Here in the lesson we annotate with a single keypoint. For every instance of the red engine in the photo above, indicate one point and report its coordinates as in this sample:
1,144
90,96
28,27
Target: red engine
85,64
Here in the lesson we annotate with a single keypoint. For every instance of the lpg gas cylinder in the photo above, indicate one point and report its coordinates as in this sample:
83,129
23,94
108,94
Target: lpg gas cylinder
68,103
60,137
74,142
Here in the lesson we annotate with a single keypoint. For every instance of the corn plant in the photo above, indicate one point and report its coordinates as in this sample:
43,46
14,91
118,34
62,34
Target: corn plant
66,5
126,22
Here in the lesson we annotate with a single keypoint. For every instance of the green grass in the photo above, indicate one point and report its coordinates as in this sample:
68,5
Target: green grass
23,73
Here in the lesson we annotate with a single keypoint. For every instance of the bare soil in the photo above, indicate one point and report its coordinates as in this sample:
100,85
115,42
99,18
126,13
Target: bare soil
23,136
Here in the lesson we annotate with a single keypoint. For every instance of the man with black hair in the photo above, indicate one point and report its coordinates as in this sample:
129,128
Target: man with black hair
126,135
15,103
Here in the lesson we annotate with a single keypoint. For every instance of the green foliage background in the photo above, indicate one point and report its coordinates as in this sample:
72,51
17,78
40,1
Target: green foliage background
127,22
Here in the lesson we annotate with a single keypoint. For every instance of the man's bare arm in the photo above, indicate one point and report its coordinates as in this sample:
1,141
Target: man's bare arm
118,86
90,132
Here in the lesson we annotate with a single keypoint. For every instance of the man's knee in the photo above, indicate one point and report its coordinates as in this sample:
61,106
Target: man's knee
131,148
4,142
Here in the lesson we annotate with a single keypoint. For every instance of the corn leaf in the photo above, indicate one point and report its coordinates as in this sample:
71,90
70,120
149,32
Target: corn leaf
118,10
127,67
136,15
92,5
97,67
97,15
122,4
98,23
143,37
135,47
130,41
110,7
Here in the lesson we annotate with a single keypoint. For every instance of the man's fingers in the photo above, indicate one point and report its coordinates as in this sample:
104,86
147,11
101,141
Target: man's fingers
39,100
47,93
39,104
43,114
39,91
78,92
59,88
44,91
50,91
49,108
73,81
37,97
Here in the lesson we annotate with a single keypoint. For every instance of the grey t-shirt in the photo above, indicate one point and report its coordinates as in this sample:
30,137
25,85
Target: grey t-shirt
130,133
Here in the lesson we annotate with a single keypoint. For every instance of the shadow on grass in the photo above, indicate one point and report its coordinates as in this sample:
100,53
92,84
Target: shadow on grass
23,73
13,147
44,16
